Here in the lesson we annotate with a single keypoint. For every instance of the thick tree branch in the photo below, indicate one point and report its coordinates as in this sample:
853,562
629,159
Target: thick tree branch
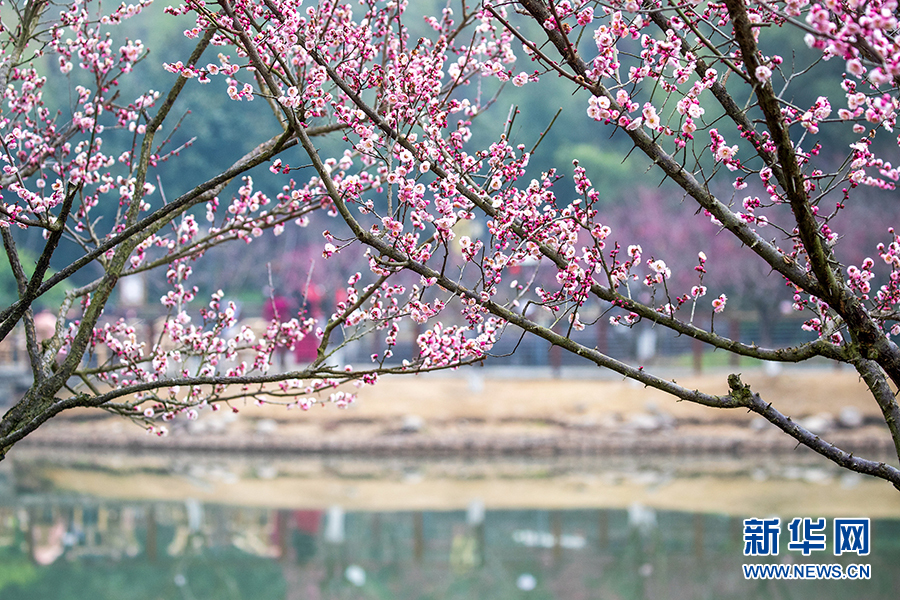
872,374
845,459
820,257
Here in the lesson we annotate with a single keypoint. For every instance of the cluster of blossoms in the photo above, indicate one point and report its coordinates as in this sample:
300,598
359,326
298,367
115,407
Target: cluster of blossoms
724,153
448,346
888,295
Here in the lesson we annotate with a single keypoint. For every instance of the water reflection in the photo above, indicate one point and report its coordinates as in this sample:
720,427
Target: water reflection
116,527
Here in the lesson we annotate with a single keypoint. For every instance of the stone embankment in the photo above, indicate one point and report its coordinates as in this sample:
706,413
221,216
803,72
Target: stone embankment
485,414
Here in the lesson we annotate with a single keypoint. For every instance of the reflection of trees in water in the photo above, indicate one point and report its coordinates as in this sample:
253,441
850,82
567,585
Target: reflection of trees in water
99,550
183,550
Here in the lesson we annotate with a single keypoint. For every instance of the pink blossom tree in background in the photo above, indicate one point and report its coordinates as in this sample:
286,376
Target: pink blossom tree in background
394,128
754,296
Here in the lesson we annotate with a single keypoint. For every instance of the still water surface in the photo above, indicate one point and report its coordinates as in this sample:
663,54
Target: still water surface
82,526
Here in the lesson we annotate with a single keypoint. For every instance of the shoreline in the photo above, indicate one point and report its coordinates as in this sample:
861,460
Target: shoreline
503,416
472,447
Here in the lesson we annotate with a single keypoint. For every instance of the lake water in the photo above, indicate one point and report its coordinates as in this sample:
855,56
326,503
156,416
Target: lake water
175,526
